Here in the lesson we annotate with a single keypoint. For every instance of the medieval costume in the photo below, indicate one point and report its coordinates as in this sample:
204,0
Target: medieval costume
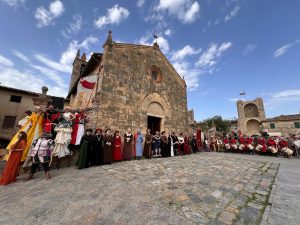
181,144
147,146
135,136
156,145
233,144
12,166
97,150
226,144
51,118
127,149
272,146
261,145
186,145
117,149
24,122
249,145
198,138
41,152
34,131
194,144
78,128
164,145
242,143
85,150
284,147
108,147
139,144
63,137
173,143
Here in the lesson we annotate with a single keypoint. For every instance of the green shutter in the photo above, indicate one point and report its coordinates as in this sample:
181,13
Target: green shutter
297,124
272,125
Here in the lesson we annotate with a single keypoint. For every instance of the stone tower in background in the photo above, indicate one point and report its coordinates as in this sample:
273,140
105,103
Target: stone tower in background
78,65
250,114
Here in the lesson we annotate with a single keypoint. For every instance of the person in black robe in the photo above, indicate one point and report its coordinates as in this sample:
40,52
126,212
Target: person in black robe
175,143
148,145
108,147
97,152
86,146
194,144
164,145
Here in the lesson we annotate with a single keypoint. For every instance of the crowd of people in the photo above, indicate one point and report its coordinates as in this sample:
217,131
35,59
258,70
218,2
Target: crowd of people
47,133
286,146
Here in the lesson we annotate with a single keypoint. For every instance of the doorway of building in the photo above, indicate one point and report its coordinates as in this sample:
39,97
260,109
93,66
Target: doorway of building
154,124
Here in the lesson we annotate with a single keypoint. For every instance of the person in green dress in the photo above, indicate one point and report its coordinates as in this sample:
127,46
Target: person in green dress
86,145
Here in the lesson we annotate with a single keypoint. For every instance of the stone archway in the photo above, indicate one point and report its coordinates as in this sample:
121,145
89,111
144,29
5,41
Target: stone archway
252,127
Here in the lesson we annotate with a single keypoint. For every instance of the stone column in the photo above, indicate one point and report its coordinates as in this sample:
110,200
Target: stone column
42,100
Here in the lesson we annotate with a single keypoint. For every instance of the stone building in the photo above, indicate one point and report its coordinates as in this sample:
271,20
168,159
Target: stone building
14,102
129,85
282,125
250,114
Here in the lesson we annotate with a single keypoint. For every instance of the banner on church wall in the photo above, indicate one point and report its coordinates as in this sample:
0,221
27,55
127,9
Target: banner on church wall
87,84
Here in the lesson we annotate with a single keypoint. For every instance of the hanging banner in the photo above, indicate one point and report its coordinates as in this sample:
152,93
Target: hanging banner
87,84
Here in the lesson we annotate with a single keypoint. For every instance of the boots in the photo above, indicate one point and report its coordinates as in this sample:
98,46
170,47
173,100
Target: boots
48,175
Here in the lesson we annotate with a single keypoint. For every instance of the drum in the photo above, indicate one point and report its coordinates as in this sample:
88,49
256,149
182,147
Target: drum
234,146
227,146
241,147
258,147
273,149
287,151
250,147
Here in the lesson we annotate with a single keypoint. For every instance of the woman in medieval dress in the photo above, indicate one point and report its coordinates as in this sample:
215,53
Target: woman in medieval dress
127,149
117,149
34,131
148,144
108,147
63,137
156,145
139,144
78,128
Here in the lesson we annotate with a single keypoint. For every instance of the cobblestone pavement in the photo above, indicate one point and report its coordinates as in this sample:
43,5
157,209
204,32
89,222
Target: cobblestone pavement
206,188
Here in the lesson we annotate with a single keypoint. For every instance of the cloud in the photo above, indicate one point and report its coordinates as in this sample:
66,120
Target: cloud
14,3
283,49
168,32
5,61
249,48
287,94
45,17
186,11
233,99
232,13
140,3
20,56
73,27
209,58
115,15
184,52
67,57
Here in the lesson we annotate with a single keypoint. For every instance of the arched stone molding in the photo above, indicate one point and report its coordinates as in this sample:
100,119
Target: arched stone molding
155,98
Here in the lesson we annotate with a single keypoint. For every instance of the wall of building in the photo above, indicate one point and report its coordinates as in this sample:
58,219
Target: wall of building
127,93
284,127
8,108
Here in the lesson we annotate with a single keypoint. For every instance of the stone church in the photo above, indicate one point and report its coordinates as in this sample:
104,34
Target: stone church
129,86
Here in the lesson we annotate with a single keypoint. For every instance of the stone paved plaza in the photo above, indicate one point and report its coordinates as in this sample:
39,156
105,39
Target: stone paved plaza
206,188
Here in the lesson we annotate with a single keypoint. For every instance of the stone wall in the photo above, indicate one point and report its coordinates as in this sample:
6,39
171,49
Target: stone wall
285,127
127,93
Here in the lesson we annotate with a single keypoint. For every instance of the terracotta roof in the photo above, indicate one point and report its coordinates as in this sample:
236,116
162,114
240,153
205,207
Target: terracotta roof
283,118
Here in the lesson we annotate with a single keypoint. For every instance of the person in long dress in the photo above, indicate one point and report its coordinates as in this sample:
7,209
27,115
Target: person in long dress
51,119
63,137
78,128
139,144
13,164
156,145
164,145
127,149
97,155
117,149
108,147
34,130
148,144
85,150
180,144
41,152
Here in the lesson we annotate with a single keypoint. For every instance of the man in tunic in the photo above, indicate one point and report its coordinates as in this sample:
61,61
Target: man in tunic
108,147
194,143
51,118
164,145
156,144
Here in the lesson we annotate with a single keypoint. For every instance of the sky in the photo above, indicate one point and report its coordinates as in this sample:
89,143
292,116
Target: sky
221,48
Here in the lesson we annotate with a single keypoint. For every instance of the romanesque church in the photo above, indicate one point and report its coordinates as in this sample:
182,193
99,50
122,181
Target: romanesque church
129,86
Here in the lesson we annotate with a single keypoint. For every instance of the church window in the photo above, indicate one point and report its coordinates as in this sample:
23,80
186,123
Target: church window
156,74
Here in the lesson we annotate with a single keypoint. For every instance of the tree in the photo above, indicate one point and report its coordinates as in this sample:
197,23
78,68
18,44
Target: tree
220,124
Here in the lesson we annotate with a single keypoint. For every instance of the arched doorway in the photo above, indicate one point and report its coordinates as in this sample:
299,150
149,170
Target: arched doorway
155,115
252,127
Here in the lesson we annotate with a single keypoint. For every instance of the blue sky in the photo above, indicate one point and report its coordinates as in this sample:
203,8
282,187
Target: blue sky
222,48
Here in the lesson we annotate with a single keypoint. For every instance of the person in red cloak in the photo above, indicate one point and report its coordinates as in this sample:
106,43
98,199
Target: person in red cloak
261,141
80,117
186,145
198,137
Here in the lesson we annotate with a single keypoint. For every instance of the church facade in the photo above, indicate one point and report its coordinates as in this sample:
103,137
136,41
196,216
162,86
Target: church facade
129,86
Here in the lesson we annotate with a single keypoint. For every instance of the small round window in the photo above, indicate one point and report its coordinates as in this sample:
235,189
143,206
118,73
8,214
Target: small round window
156,74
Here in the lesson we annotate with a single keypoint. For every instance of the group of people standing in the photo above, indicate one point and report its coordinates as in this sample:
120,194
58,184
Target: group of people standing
98,148
43,134
285,146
